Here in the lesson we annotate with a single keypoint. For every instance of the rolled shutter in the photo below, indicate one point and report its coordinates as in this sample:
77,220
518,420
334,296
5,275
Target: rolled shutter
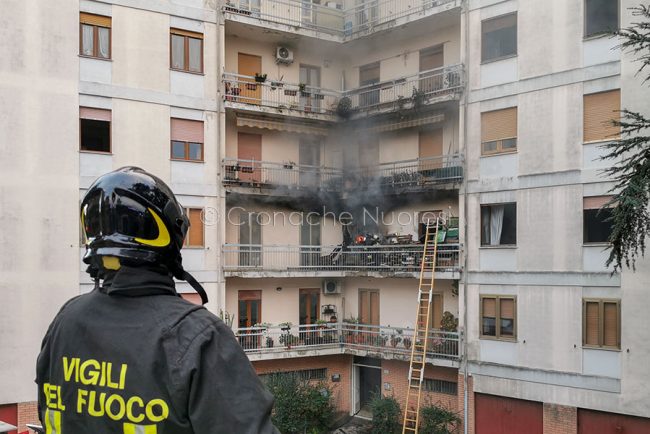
499,124
196,228
595,202
187,131
95,114
610,328
507,306
94,20
591,323
489,307
181,32
599,111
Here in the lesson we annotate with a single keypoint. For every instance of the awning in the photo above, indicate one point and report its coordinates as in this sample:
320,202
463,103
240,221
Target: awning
287,126
409,123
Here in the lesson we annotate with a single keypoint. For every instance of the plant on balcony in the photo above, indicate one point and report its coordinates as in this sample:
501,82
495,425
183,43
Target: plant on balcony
344,107
417,97
385,415
263,326
289,340
319,96
269,342
302,87
226,317
396,338
260,78
321,323
449,322
380,340
290,92
407,342
438,420
288,165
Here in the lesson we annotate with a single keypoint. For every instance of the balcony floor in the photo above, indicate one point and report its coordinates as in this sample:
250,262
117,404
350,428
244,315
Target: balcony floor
259,274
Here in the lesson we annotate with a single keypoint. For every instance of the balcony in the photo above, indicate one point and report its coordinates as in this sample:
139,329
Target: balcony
414,175
330,20
262,343
409,92
399,260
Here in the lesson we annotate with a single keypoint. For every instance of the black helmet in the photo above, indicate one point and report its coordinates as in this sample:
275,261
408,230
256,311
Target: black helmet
133,215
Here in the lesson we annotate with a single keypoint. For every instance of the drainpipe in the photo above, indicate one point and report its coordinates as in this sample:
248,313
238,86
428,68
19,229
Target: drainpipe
465,12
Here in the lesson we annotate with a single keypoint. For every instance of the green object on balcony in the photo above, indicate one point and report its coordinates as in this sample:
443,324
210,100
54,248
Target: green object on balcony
452,233
442,235
453,223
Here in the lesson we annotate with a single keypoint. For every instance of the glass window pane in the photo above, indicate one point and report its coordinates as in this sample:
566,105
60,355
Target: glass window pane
195,151
596,225
104,42
601,16
509,231
499,37
178,52
95,135
490,146
178,149
489,326
87,39
509,144
507,327
195,54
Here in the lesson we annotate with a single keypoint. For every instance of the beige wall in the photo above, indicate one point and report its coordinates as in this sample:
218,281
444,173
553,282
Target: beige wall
39,199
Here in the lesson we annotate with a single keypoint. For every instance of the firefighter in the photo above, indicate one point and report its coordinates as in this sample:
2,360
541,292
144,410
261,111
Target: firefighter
132,356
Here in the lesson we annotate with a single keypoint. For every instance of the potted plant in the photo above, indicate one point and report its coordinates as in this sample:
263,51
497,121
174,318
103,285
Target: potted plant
260,78
319,96
269,342
285,326
302,87
321,323
407,342
288,165
344,107
396,338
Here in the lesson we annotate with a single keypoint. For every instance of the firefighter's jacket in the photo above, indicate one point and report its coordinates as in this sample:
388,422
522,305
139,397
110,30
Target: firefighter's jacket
132,357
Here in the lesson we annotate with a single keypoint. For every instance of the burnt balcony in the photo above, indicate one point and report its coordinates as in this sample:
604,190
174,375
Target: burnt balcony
402,94
260,343
399,260
329,20
413,175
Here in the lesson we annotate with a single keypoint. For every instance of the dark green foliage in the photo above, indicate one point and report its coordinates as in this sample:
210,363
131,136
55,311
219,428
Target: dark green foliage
300,406
385,415
438,420
630,156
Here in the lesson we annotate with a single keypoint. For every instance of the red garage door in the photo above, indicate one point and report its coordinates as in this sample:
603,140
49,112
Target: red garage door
599,422
498,415
9,414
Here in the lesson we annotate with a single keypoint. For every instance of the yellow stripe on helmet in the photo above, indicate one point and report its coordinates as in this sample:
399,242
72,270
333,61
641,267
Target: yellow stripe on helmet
163,238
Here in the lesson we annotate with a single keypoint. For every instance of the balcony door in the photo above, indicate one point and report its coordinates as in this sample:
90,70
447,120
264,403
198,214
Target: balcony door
249,147
430,151
310,76
310,241
309,306
309,159
369,306
369,155
430,60
368,80
435,312
367,13
247,64
250,240
249,313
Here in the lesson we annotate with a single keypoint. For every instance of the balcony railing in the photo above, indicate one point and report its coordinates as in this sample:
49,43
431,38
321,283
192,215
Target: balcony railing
345,336
405,92
380,258
330,18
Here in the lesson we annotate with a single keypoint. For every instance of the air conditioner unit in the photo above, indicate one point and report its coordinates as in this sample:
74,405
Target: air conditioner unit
283,55
331,287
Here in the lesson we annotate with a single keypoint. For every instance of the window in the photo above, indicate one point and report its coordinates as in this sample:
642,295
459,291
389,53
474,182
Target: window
186,51
319,374
499,131
440,386
601,323
368,79
499,224
499,37
600,110
195,233
95,129
186,140
596,227
601,16
498,316
94,36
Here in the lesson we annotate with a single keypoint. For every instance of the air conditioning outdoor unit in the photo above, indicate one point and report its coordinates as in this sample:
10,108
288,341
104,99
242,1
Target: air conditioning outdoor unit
283,55
331,287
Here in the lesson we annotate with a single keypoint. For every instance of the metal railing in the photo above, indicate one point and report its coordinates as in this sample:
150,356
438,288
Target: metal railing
415,172
278,94
289,174
378,339
404,92
379,258
364,18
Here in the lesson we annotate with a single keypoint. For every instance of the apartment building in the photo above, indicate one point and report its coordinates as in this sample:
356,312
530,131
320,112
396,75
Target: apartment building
310,142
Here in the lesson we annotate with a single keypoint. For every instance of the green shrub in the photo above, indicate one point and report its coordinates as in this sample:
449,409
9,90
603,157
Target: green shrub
300,406
385,415
438,420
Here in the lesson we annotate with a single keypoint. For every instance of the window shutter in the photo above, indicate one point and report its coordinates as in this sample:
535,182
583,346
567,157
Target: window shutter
499,23
599,111
196,228
499,124
94,20
489,307
187,131
610,330
95,114
591,323
369,74
595,202
181,32
507,306
249,295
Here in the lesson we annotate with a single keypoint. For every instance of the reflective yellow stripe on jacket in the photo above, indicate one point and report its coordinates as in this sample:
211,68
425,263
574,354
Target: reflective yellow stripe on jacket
130,428
52,422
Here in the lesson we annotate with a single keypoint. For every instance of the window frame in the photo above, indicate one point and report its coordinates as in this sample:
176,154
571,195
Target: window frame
600,34
601,323
186,241
507,56
500,149
96,27
495,246
187,158
497,333
186,34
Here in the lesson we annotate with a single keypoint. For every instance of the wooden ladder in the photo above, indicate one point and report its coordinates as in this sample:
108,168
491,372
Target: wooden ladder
420,336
